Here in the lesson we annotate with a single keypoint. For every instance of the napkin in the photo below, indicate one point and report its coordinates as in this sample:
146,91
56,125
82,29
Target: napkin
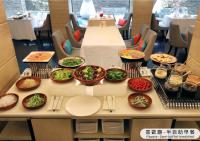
109,103
145,72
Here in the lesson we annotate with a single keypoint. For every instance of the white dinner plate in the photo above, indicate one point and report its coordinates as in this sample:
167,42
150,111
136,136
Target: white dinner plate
83,105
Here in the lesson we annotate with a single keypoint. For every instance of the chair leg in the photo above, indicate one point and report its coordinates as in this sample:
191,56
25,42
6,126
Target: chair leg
175,52
170,49
186,51
126,34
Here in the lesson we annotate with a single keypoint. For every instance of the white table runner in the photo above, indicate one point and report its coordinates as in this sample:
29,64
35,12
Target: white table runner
101,46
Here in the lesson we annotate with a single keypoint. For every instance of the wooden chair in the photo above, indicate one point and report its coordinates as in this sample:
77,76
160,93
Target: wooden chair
155,26
124,30
176,39
190,34
150,39
58,39
70,36
154,23
44,32
143,32
75,23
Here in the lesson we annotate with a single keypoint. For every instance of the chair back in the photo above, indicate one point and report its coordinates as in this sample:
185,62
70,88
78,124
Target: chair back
47,23
150,39
175,37
143,30
58,39
154,23
70,35
190,34
75,23
127,25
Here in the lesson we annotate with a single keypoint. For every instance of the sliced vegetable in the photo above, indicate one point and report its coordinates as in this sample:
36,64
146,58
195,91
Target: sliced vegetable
139,101
35,101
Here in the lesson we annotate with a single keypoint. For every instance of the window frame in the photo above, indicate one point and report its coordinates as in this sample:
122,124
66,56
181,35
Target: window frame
70,4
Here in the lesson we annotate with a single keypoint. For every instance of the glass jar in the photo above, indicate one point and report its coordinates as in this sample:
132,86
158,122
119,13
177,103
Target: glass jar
171,91
189,90
161,72
180,68
175,79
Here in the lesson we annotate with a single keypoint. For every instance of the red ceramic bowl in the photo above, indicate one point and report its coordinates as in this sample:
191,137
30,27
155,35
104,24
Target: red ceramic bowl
25,101
9,106
140,84
20,82
134,95
79,75
61,81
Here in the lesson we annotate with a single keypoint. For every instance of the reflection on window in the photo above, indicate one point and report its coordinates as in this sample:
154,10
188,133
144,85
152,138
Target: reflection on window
37,5
166,7
117,8
13,7
108,6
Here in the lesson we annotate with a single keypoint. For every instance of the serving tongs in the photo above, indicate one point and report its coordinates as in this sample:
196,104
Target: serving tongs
55,103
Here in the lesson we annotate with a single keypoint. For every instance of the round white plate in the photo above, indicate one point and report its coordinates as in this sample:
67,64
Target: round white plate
83,105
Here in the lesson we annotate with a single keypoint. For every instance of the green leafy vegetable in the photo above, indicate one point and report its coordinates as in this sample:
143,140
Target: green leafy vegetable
72,62
62,74
90,73
115,74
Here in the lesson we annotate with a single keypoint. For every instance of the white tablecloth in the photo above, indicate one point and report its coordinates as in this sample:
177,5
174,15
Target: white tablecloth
101,22
165,22
22,29
101,46
183,22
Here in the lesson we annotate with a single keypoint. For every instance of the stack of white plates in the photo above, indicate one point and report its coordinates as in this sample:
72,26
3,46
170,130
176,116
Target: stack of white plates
113,126
113,139
86,126
83,105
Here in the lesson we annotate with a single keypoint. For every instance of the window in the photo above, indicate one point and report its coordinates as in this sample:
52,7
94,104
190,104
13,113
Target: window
37,5
166,7
108,6
13,7
118,8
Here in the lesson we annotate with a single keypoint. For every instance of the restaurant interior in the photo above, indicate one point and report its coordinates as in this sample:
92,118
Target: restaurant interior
99,70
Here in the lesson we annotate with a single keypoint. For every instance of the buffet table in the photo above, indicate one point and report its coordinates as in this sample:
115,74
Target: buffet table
102,48
121,91
61,122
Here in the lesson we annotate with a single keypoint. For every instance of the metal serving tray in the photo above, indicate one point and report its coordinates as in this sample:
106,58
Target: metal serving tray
176,103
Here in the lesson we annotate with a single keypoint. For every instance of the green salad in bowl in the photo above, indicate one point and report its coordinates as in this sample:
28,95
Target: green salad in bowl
116,75
71,62
34,101
89,75
62,75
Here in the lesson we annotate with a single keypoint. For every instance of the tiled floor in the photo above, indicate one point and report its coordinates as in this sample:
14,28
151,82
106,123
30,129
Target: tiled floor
22,49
